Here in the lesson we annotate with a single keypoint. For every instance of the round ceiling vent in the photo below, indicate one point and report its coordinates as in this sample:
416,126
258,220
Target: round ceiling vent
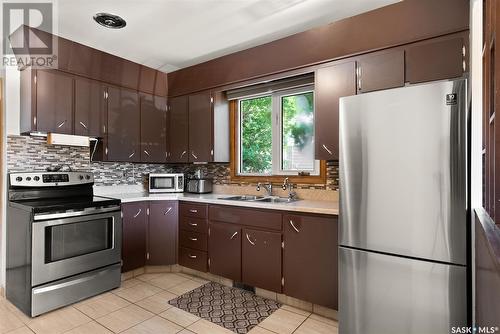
110,21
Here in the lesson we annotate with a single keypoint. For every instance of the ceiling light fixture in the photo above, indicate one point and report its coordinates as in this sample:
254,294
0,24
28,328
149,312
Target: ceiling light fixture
109,20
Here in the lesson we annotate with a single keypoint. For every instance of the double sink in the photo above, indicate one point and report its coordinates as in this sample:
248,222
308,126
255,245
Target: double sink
263,199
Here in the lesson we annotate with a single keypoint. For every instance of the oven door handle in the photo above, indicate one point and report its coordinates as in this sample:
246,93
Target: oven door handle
45,216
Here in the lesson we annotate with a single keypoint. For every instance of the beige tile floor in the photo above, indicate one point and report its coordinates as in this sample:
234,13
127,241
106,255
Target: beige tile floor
140,306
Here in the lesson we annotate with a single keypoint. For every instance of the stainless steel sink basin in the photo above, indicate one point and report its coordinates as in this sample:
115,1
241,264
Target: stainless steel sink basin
251,198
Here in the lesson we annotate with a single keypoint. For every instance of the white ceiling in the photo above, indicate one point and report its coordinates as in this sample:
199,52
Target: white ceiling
172,34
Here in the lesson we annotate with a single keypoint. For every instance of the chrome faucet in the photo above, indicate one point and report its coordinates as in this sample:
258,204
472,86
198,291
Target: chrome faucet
287,185
268,186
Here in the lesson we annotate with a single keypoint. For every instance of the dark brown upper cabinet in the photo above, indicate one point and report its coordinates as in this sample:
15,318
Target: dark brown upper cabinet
90,108
331,83
162,233
119,71
261,259
177,130
134,235
153,128
436,60
224,248
310,252
53,91
200,127
161,84
123,125
381,71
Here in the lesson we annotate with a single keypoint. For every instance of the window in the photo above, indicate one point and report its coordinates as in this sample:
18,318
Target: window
276,134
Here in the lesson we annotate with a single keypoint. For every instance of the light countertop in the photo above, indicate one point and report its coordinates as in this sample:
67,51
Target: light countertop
307,206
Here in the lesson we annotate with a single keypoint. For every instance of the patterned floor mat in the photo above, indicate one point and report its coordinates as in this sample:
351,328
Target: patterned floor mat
235,309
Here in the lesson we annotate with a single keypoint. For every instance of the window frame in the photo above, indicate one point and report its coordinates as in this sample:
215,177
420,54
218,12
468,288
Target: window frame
277,171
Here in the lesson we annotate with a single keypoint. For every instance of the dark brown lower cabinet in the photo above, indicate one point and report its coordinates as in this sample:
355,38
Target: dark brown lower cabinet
224,248
310,267
193,258
261,259
134,224
162,233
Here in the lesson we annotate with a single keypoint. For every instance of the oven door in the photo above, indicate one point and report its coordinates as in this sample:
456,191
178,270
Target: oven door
162,183
73,245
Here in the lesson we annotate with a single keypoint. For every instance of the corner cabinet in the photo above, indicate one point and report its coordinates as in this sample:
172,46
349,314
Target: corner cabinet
153,129
331,83
177,130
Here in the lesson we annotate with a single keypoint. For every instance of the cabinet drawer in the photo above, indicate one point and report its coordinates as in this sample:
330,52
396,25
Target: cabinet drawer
193,259
193,240
193,224
249,217
193,210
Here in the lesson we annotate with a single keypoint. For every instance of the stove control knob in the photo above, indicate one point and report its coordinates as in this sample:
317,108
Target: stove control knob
19,179
87,177
80,177
36,178
28,178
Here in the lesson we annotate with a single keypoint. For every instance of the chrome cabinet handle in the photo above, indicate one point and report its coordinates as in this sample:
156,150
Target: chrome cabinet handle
192,256
138,213
193,210
168,211
234,234
193,224
60,125
131,155
194,156
147,153
250,241
83,124
293,226
182,154
193,239
326,148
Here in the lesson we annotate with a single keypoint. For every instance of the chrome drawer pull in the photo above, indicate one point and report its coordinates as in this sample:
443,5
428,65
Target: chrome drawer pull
250,241
193,210
193,224
138,213
83,124
182,154
147,153
192,256
193,239
131,155
194,155
234,234
168,211
326,148
294,227
60,125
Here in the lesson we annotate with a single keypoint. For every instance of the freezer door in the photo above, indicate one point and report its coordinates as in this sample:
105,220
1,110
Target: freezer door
403,171
393,295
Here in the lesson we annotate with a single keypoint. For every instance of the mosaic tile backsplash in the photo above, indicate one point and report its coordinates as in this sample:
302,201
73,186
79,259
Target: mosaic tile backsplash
32,153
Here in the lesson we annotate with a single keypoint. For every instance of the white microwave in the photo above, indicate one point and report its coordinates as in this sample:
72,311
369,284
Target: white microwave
166,183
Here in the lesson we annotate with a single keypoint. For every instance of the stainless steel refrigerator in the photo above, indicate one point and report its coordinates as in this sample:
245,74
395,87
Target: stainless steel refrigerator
403,210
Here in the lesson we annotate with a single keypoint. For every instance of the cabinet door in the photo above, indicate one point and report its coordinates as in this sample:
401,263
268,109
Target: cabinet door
153,128
261,259
54,101
134,235
200,127
310,253
224,248
435,61
123,125
177,133
162,233
331,83
90,108
381,71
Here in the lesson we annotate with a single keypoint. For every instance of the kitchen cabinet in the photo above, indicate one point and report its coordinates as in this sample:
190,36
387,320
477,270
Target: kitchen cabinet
134,235
200,127
177,133
381,70
261,259
435,60
54,101
193,236
310,254
331,83
224,248
123,125
162,233
153,128
90,108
